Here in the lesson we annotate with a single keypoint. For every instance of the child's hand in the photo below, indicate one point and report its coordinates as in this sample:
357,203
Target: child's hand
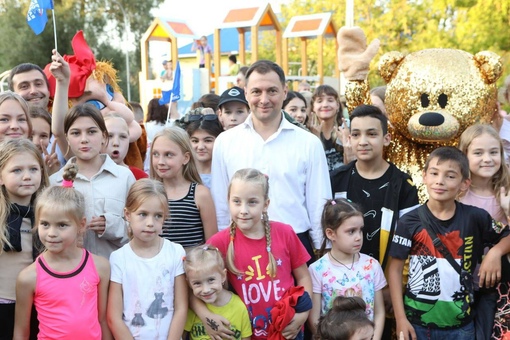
51,159
59,68
294,326
490,269
504,200
388,306
217,327
97,224
405,330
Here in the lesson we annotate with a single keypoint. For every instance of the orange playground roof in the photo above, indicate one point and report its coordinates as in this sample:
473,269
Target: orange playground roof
311,25
244,18
164,28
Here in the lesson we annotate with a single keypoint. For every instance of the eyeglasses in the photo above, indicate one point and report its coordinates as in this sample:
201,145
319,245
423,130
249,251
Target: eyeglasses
209,117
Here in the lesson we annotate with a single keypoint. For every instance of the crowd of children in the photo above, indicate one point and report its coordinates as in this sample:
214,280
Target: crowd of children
91,248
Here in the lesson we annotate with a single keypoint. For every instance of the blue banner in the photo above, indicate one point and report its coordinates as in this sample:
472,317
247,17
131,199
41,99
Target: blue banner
175,92
36,15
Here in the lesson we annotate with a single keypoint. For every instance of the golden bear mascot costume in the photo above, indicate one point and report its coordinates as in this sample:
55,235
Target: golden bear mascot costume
432,95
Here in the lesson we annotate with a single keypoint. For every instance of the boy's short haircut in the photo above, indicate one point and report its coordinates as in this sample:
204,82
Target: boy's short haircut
449,153
234,94
232,58
373,112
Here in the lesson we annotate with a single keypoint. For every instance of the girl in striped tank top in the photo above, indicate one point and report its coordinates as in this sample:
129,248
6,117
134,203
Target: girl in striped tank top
192,218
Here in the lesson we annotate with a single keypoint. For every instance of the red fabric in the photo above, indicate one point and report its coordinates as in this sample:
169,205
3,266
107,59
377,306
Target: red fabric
82,63
283,312
139,174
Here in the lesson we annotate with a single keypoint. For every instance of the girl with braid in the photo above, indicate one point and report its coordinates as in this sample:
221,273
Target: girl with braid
264,260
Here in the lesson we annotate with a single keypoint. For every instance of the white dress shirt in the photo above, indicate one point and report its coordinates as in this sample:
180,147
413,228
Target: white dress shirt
295,163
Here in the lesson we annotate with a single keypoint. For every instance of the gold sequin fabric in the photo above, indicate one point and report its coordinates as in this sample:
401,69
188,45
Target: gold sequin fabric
432,96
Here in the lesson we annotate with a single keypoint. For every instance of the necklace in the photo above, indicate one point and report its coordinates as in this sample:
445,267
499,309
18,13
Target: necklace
352,264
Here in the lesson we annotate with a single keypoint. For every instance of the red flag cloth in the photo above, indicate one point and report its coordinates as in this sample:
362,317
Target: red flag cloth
82,63
283,312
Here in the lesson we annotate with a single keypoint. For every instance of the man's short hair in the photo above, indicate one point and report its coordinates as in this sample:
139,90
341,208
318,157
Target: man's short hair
449,153
22,68
373,112
264,67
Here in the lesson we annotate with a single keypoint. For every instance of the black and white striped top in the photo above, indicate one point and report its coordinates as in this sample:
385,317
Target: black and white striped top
184,225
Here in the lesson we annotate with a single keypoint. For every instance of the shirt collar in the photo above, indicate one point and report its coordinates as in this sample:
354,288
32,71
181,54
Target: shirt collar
284,123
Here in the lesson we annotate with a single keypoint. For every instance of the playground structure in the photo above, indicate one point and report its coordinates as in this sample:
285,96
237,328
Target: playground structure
252,20
305,27
166,31
248,22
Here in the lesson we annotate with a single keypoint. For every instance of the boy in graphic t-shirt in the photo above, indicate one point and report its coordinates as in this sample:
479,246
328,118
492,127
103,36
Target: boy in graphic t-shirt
438,297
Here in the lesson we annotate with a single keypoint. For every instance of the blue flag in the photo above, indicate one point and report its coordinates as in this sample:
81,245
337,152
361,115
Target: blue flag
175,92
36,15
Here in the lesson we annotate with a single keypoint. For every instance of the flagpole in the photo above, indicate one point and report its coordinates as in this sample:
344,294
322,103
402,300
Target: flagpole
54,28
169,109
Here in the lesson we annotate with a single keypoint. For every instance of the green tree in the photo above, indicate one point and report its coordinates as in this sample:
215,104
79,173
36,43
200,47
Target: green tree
101,20
411,25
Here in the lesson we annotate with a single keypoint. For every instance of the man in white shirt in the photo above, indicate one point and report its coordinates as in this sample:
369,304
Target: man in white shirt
290,156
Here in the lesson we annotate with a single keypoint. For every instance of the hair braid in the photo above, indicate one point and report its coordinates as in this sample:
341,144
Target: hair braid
271,266
230,251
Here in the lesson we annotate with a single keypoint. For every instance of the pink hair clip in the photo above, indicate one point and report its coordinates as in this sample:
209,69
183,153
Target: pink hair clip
333,202
67,184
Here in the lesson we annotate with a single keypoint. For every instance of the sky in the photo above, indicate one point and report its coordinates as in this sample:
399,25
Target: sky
204,15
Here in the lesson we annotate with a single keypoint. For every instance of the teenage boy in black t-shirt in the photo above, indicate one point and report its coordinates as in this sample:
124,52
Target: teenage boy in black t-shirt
383,191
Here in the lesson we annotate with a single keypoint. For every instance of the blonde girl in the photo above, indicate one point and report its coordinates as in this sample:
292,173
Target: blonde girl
488,174
148,296
264,258
343,270
21,164
14,121
490,183
193,218
67,284
206,275
103,183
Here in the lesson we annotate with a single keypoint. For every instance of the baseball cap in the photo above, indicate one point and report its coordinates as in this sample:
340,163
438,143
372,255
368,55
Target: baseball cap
234,94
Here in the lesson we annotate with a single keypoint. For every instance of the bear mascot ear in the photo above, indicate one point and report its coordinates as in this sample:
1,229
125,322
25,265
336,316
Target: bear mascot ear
389,63
489,65
354,56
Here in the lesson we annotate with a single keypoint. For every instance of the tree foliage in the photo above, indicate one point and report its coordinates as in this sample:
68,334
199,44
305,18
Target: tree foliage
412,25
101,20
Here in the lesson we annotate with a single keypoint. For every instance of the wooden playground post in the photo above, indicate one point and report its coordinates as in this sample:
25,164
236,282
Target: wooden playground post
254,44
242,47
304,58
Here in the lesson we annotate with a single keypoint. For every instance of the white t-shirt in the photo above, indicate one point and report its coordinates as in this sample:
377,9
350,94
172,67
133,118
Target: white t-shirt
148,288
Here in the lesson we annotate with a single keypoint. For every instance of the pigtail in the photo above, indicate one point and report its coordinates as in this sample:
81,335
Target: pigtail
69,174
230,251
4,229
271,266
